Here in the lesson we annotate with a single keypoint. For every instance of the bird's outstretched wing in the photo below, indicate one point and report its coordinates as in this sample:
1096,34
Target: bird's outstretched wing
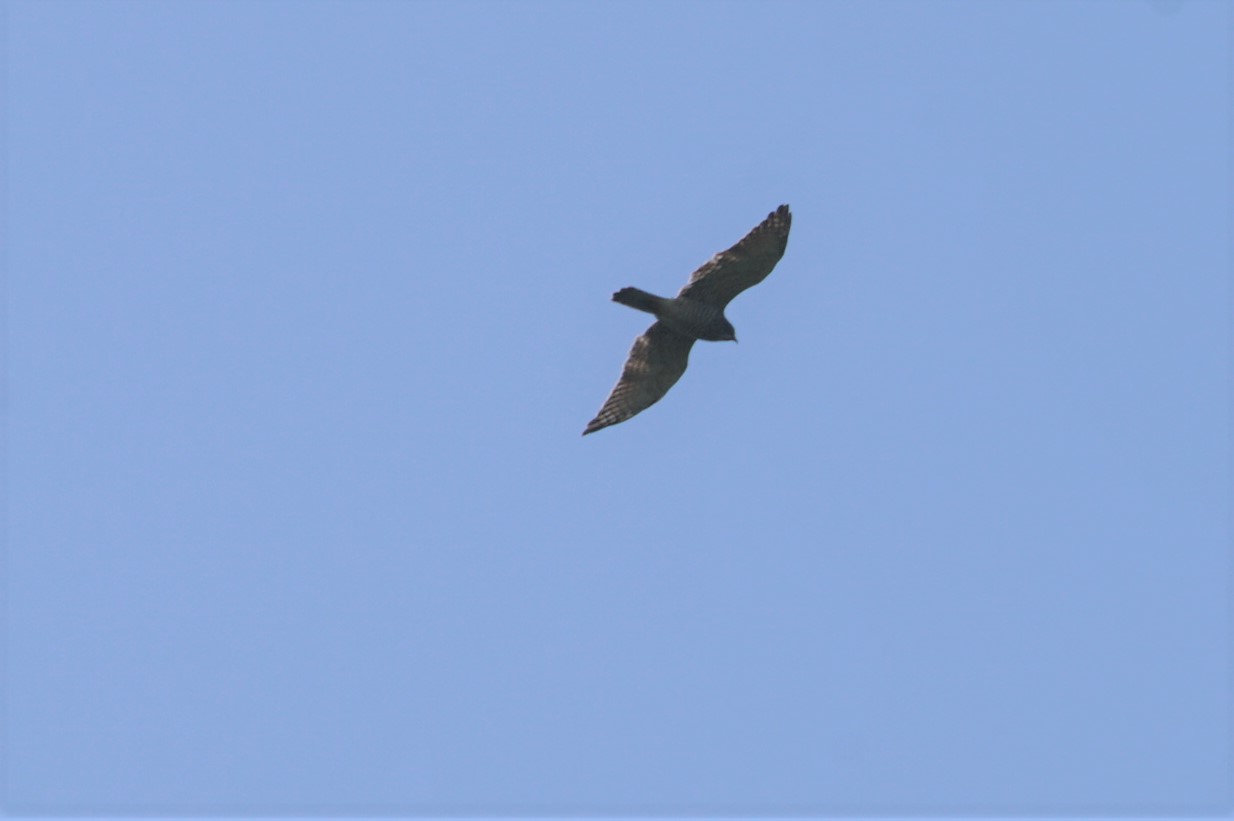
747,263
656,362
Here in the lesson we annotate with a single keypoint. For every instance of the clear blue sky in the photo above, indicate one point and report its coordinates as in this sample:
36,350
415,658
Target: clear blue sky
308,304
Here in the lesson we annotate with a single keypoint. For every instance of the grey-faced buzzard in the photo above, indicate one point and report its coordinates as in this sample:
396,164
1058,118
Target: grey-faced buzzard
659,356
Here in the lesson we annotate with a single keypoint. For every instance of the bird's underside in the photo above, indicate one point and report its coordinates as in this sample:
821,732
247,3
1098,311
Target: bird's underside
660,355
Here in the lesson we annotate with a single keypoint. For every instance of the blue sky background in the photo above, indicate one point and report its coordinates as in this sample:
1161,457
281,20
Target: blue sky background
308,304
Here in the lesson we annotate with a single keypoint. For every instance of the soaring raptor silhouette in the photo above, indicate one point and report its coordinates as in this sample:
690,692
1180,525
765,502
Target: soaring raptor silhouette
659,356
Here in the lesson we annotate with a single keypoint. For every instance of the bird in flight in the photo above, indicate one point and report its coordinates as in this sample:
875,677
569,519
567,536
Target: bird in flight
659,356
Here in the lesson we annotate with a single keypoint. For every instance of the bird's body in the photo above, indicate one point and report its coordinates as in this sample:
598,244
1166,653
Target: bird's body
688,317
659,357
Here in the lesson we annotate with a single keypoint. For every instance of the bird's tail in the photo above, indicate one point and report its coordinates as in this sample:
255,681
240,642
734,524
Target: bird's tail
639,300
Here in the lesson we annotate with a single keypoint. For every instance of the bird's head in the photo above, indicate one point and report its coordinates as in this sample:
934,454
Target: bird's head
716,329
